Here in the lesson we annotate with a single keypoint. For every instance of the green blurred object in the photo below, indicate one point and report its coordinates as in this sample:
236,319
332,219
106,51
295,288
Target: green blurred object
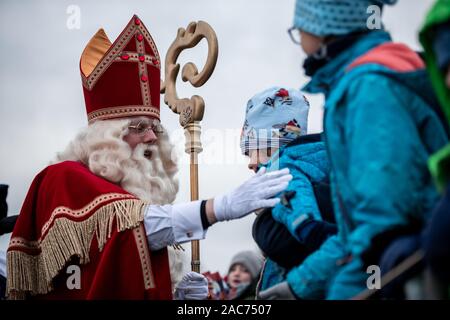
439,163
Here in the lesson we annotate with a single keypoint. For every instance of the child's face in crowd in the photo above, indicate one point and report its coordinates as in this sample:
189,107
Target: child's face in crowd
259,156
238,274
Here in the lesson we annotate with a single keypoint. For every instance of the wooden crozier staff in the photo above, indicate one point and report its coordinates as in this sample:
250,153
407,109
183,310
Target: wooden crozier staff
190,110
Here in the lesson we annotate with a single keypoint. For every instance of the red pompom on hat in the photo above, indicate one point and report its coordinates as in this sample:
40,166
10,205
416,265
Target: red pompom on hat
282,93
121,79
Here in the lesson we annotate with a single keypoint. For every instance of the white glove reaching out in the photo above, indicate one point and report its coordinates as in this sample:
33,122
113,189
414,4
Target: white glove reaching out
256,193
193,286
281,291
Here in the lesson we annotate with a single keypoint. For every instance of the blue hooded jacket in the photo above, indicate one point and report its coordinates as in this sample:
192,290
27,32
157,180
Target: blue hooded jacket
379,135
308,163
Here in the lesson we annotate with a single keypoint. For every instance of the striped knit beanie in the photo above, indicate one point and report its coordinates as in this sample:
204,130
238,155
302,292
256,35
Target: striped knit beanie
334,17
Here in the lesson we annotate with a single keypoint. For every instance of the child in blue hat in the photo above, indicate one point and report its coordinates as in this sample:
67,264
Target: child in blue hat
275,135
273,118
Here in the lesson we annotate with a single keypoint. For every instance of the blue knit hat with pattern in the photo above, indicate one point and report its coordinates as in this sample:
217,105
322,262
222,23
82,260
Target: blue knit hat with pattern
334,17
274,118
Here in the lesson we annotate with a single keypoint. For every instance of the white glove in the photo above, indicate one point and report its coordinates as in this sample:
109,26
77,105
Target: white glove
193,286
281,291
256,193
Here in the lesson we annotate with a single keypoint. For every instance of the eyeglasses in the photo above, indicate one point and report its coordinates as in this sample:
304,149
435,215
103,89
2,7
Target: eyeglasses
294,34
143,127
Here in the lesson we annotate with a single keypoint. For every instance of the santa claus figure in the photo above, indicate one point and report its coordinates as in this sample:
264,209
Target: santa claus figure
97,222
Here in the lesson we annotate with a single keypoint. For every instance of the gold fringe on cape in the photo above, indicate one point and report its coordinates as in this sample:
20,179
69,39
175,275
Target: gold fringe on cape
65,239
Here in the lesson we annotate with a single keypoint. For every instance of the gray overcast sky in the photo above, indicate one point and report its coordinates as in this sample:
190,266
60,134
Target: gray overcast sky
41,99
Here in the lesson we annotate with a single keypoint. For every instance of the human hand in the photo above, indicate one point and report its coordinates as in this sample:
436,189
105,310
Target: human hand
193,286
281,291
257,192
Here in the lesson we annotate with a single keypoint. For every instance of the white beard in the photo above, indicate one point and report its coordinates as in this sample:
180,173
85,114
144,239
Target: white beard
178,264
147,178
149,181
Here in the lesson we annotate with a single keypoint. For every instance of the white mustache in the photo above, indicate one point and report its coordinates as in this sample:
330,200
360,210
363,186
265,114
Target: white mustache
147,151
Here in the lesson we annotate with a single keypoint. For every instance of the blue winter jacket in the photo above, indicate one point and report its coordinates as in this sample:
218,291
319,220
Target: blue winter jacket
308,164
379,135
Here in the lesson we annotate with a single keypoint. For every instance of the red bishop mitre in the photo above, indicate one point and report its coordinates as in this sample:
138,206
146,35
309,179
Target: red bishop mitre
121,79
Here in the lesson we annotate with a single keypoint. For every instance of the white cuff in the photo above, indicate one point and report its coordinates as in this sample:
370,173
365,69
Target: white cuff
186,222
219,208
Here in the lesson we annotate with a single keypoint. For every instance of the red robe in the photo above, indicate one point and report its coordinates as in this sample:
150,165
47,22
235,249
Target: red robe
73,217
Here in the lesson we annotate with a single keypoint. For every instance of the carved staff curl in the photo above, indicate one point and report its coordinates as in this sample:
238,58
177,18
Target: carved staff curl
190,110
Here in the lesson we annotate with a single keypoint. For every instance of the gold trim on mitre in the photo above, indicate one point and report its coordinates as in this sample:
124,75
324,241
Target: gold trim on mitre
94,52
123,111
